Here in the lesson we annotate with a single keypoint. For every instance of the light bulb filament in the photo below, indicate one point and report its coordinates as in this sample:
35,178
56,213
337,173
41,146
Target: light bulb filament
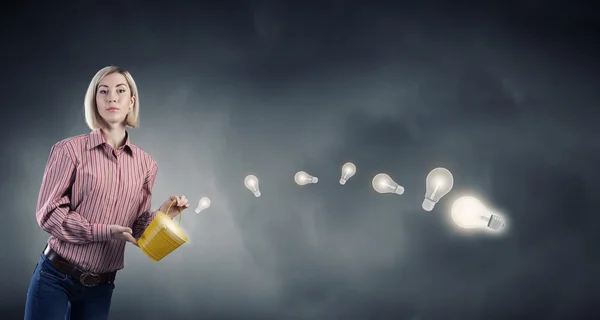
434,191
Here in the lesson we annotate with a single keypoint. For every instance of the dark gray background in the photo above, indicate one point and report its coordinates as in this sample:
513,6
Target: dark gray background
504,95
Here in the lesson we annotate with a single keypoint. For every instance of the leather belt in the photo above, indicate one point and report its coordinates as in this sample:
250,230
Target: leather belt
87,279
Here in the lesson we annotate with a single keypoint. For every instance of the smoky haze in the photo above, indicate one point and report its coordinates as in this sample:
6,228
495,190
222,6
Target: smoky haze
504,97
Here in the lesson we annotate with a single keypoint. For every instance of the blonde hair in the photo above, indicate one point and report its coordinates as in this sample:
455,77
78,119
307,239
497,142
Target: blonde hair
92,117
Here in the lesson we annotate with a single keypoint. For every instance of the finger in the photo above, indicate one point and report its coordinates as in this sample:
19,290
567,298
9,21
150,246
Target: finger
128,230
129,238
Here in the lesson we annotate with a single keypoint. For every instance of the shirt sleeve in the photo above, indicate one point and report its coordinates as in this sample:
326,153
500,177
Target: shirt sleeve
146,215
53,213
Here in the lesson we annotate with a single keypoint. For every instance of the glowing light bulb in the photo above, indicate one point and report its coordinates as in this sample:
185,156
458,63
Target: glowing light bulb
382,183
439,182
468,212
303,178
251,182
203,204
348,170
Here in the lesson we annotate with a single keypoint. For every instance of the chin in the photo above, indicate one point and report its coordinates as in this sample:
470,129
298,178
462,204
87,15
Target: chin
115,120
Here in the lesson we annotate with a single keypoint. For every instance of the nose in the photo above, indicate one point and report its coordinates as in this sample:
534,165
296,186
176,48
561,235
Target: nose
112,97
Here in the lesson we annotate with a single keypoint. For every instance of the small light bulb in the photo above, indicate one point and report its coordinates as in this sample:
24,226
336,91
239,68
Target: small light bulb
203,204
468,212
438,183
302,178
251,182
348,170
382,183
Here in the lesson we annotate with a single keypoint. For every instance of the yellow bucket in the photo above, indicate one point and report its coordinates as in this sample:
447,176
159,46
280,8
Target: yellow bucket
162,236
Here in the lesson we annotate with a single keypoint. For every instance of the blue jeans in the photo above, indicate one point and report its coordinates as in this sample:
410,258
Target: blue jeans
53,295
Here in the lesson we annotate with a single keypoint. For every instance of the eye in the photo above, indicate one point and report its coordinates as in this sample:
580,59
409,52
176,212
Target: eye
103,91
122,90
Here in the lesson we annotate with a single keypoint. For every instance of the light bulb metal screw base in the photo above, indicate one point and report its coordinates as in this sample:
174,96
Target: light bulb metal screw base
428,204
399,190
343,181
197,210
256,193
496,222
314,180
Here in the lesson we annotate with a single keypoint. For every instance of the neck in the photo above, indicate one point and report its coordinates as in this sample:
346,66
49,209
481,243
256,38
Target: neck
114,135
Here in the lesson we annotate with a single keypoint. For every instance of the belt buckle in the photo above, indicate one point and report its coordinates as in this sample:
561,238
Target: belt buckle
88,275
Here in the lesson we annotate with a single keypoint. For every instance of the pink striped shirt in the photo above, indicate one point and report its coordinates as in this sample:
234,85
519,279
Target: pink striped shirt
86,187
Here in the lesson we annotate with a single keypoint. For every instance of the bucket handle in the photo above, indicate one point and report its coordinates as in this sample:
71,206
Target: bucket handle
169,208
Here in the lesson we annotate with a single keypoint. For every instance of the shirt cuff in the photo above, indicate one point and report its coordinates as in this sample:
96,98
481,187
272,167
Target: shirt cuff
100,232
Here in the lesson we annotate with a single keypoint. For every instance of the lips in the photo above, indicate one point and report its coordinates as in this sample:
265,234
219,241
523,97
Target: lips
112,109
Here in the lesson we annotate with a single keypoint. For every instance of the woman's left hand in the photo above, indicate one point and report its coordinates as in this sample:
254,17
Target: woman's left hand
181,203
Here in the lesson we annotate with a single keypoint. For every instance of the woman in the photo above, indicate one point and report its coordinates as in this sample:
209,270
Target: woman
95,196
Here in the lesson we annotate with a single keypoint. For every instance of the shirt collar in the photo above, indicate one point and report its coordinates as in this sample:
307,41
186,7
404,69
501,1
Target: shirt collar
96,138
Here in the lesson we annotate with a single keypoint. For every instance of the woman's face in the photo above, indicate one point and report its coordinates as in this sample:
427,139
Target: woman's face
114,99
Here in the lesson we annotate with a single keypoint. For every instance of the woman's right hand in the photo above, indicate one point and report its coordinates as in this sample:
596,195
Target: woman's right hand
122,233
